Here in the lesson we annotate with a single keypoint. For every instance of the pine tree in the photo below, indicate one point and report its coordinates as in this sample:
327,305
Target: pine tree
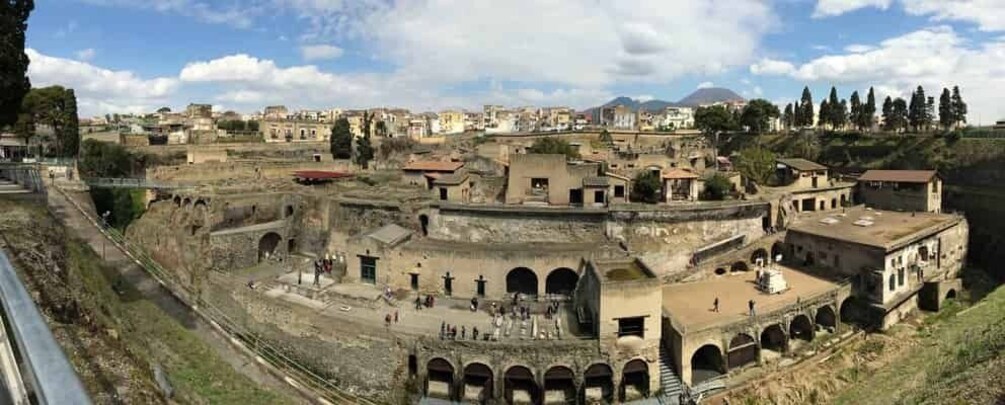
959,107
888,114
868,110
833,109
840,114
945,110
824,115
900,114
804,116
14,83
341,139
916,110
787,116
856,111
929,118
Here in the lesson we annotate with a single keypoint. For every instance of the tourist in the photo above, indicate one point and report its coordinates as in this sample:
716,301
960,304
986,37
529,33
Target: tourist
474,304
443,328
715,305
387,320
463,332
474,333
751,305
453,332
418,303
396,316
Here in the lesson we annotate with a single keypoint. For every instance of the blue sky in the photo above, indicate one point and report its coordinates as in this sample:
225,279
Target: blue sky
130,56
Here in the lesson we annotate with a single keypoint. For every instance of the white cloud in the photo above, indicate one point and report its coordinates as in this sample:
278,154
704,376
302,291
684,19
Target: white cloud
236,15
989,15
831,8
768,66
99,90
644,97
858,48
705,85
758,91
85,55
320,52
935,57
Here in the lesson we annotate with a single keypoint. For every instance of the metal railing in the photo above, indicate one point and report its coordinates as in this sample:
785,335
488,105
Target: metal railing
49,372
126,182
295,373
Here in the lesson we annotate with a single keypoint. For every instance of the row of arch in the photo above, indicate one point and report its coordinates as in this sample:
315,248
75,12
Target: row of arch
477,382
560,281
743,349
760,254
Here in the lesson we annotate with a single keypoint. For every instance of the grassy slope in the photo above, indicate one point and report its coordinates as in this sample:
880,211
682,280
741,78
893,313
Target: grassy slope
149,335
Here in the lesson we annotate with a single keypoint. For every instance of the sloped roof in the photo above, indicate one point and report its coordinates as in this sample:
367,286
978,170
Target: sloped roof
452,179
390,234
678,173
802,164
900,176
595,181
433,166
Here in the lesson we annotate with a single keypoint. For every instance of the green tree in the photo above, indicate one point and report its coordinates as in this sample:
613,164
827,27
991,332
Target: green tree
916,109
757,114
55,107
381,129
756,163
646,187
14,83
364,151
163,110
103,159
824,115
888,119
857,109
835,115
841,114
606,137
929,118
554,146
804,112
959,107
717,187
946,119
714,119
868,111
340,141
900,114
788,117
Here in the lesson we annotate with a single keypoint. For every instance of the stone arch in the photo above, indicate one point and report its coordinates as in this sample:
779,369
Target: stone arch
706,363
521,280
598,382
186,202
760,253
520,386
739,266
852,311
778,249
267,245
951,294
199,203
844,200
424,224
773,338
177,201
720,271
560,381
561,281
742,351
635,377
801,328
439,378
825,317
478,382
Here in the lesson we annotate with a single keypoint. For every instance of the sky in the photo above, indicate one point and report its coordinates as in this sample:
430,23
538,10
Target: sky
137,56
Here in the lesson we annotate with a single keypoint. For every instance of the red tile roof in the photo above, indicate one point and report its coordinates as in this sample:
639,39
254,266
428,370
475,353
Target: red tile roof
899,176
679,174
433,166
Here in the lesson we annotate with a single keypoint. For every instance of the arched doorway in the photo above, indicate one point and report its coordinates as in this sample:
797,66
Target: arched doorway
267,245
561,281
424,224
177,201
739,266
519,386
810,259
825,317
635,380
844,200
289,211
852,311
521,280
742,351
834,203
773,338
598,383
560,385
439,378
801,328
186,202
477,382
706,363
778,249
199,204
951,294
759,254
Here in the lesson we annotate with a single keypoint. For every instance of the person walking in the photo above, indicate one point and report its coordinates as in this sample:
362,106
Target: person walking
750,304
715,305
387,320
396,316
463,332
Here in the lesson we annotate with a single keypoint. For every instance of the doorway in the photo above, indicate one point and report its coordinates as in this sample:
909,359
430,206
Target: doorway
368,269
576,196
448,284
480,286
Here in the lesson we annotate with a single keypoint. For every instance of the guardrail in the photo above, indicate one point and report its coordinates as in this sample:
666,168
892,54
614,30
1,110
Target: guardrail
48,370
127,182
296,374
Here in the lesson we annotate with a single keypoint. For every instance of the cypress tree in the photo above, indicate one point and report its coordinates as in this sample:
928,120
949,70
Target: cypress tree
869,110
888,114
14,83
959,107
856,110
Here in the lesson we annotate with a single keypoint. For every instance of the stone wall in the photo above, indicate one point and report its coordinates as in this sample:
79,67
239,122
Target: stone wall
516,224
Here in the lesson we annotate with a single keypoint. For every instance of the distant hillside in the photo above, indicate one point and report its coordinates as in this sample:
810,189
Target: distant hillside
708,96
698,97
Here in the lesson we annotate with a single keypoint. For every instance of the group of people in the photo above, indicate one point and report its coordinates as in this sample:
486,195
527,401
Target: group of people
427,302
450,332
750,306
391,318
321,265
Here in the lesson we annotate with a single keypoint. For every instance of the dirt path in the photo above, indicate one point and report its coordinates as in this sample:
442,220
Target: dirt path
152,291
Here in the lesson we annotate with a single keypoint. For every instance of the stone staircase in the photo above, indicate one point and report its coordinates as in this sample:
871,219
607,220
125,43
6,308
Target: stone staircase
10,187
669,380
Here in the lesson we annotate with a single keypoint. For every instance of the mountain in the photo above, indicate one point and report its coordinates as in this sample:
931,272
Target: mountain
698,97
708,96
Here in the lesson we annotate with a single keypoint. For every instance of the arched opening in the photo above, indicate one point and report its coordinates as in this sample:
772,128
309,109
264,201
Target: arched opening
186,202
519,386
291,246
413,365
742,351
635,380
424,224
951,294
773,338
561,281
598,383
778,249
825,318
289,211
440,377
720,271
852,311
760,255
267,245
199,204
739,266
559,385
706,363
177,201
801,328
844,200
521,280
834,203
477,382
